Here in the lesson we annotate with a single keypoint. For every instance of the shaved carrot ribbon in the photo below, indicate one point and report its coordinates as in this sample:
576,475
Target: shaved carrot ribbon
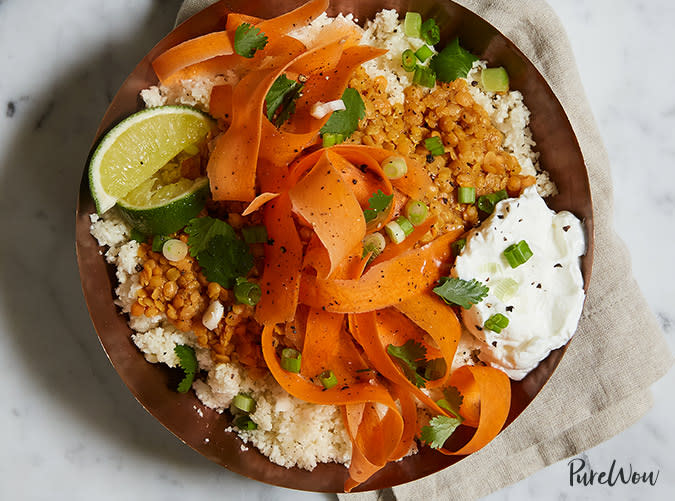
386,284
220,105
258,202
313,198
492,391
283,256
192,52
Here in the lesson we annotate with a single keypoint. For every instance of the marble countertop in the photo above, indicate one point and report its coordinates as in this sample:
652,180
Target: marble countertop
72,429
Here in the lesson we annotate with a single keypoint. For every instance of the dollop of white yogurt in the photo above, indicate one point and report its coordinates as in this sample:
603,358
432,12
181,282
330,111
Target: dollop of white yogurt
542,298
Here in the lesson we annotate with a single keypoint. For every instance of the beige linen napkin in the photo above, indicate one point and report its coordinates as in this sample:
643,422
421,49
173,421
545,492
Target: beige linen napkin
601,386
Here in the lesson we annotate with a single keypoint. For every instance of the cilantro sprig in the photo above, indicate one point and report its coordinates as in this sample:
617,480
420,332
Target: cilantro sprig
453,400
452,62
222,255
248,39
346,121
439,430
441,427
377,204
187,360
461,292
281,98
410,358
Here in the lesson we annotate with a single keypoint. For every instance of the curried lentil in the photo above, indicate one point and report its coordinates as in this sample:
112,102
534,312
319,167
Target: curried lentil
474,154
181,291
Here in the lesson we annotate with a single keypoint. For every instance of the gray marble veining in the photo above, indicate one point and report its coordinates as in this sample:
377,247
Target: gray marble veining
72,429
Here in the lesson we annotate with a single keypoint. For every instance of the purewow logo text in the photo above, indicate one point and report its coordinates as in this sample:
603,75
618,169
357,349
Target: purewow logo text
616,475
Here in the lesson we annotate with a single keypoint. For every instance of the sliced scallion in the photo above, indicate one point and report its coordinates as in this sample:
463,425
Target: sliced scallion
518,254
254,234
424,76
487,203
412,26
244,403
395,232
489,268
466,194
291,360
495,79
405,225
408,60
328,379
395,167
457,246
434,145
244,422
416,212
374,243
331,139
174,249
246,292
431,33
496,323
158,242
423,53
505,289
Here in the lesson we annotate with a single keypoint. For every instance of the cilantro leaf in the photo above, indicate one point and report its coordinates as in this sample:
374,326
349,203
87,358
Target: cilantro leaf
377,204
346,121
461,292
188,362
452,62
281,98
202,229
225,259
248,39
452,401
222,255
439,430
410,357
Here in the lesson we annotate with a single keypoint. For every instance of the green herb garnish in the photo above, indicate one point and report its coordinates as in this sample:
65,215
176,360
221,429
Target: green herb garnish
487,203
222,255
439,430
441,427
434,145
346,121
377,204
430,32
453,400
496,323
457,246
158,242
281,98
410,357
187,360
518,254
248,39
452,62
461,292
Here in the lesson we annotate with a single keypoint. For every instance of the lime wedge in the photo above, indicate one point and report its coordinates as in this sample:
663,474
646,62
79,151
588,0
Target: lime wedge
154,208
136,148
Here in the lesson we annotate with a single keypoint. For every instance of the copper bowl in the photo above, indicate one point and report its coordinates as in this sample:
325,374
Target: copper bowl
149,383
